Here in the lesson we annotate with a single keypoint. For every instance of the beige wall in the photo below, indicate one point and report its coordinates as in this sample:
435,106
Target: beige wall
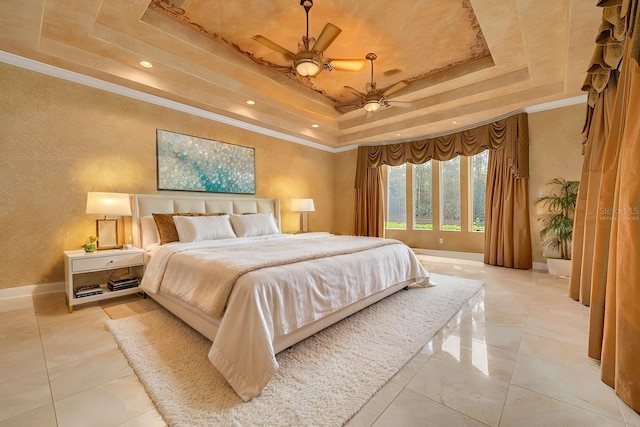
345,171
60,140
555,138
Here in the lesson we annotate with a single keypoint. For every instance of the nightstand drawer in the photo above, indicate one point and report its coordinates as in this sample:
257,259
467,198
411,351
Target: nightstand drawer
92,263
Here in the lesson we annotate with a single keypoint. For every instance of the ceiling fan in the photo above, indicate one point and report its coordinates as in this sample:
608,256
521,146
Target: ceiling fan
374,98
309,60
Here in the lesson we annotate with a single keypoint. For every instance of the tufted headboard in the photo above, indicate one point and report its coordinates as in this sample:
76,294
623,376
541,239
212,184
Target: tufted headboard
147,204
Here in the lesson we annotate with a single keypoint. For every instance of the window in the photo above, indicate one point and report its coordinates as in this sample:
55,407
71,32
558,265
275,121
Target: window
452,190
450,194
422,197
397,197
479,165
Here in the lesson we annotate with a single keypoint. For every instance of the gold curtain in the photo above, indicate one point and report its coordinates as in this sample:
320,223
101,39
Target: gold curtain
507,238
606,274
598,127
368,199
510,136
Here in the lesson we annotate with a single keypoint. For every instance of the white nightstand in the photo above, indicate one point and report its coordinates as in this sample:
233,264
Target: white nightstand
80,263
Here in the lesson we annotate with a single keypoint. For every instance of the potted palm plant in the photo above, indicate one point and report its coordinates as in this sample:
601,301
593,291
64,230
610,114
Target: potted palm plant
557,223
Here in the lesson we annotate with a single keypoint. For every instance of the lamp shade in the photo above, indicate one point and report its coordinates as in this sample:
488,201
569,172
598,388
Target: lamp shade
116,204
302,205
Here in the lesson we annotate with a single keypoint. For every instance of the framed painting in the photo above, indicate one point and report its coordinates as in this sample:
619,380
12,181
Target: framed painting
191,163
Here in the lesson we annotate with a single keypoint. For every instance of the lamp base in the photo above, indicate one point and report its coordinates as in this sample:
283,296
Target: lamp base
304,222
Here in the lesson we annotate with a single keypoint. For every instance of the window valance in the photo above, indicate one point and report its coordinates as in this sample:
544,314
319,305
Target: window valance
510,134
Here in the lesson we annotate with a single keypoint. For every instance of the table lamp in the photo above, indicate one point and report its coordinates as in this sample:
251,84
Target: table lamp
113,204
303,206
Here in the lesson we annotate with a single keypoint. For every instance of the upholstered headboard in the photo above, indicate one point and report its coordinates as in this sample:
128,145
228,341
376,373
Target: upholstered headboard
146,204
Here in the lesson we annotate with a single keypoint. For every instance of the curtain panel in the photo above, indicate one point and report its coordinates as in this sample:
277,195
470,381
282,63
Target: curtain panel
370,201
586,213
509,136
606,272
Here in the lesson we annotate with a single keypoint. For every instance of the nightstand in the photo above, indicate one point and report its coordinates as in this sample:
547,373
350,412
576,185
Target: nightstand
79,267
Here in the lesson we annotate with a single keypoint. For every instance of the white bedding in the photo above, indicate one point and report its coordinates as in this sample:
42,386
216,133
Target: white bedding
270,302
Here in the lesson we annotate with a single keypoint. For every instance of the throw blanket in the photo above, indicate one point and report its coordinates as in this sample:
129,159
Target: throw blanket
208,272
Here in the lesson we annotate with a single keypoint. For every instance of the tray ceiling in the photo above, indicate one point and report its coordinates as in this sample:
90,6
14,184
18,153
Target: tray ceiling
466,61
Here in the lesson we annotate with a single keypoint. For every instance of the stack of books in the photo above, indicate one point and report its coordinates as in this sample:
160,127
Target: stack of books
88,290
123,282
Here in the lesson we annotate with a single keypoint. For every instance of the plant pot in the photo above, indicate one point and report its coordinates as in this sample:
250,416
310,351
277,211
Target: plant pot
559,267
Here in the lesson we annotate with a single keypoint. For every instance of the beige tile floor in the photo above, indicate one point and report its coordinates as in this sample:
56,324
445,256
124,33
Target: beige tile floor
516,357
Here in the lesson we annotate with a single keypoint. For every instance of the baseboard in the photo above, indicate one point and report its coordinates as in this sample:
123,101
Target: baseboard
541,266
22,291
471,256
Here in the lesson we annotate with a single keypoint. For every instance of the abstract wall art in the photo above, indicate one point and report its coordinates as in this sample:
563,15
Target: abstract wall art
191,163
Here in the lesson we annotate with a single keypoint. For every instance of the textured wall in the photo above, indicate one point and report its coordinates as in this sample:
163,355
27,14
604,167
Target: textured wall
344,181
555,138
60,140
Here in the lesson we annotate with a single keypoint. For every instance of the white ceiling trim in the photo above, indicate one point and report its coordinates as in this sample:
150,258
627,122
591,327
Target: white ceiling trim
156,100
582,99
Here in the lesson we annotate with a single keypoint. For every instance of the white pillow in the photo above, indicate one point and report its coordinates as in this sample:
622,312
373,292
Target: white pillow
149,231
196,228
254,225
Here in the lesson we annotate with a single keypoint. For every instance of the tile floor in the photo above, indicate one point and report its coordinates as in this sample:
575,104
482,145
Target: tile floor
515,358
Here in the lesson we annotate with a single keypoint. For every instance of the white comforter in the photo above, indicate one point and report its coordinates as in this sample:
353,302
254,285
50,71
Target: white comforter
273,301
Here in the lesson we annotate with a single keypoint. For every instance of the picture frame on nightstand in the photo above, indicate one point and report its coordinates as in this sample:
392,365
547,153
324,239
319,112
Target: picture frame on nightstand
107,232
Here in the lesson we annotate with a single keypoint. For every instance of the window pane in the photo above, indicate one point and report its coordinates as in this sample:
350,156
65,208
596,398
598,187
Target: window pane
422,197
479,164
450,185
397,196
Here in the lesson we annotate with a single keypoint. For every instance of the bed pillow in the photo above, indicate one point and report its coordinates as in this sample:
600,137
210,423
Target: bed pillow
167,228
254,225
196,228
148,231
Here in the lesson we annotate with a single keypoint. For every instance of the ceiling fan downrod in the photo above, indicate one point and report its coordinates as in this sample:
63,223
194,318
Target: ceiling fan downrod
372,57
307,4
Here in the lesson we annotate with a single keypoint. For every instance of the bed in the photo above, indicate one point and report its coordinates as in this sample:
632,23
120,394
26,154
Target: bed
251,290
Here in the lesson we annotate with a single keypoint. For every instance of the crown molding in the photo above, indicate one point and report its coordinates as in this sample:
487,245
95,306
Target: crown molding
582,99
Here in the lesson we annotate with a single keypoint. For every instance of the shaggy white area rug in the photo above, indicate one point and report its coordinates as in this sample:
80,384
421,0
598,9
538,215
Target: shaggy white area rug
322,381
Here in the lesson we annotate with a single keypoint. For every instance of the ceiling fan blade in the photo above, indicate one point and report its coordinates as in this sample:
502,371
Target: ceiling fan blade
274,46
395,88
348,64
326,37
356,91
391,72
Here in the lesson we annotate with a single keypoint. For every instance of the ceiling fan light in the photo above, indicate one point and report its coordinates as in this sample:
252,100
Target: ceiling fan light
371,106
307,67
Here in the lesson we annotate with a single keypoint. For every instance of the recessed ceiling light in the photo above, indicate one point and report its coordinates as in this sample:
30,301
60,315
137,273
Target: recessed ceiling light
454,122
315,125
397,134
251,102
146,64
